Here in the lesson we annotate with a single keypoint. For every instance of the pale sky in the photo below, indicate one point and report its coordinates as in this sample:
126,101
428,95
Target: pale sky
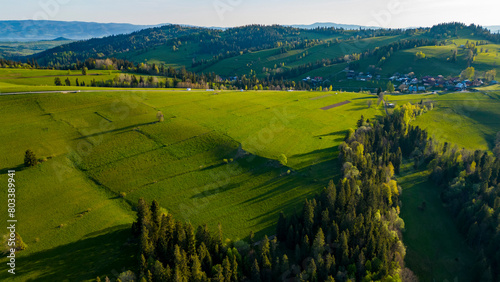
226,13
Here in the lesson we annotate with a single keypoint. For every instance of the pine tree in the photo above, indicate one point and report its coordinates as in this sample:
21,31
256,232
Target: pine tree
143,267
196,272
155,213
319,243
190,239
159,271
264,246
344,248
312,271
226,269
255,271
234,270
285,265
146,245
308,215
219,276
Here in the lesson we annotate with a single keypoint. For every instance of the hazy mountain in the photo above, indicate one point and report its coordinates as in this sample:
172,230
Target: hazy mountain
493,28
48,30
335,25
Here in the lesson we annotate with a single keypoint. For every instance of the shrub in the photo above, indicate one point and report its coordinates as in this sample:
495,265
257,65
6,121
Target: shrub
57,81
283,159
30,158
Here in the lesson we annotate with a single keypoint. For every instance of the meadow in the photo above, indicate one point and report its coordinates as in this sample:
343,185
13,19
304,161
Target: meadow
97,145
436,251
213,159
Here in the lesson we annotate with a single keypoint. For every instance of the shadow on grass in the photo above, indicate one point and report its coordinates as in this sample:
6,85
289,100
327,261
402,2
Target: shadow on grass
340,133
109,252
358,108
365,98
115,130
17,168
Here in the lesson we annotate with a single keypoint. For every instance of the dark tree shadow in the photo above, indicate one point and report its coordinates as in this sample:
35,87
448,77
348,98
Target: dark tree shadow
17,168
106,252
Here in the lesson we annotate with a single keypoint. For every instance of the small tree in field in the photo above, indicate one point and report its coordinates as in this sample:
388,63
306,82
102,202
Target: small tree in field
390,87
85,70
57,81
420,55
160,116
30,159
283,159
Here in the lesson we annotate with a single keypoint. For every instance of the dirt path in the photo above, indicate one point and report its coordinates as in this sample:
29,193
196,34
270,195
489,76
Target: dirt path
335,105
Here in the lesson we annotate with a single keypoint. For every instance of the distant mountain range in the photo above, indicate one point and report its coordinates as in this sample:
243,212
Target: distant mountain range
29,30
334,25
493,28
49,30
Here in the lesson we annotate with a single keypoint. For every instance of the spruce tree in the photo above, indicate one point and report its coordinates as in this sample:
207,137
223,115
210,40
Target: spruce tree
256,271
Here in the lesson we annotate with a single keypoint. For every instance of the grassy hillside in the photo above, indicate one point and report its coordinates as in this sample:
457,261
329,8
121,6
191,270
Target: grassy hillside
438,62
273,58
33,77
59,210
469,120
435,248
99,145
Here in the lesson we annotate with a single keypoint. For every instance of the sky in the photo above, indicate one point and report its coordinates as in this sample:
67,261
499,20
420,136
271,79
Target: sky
227,13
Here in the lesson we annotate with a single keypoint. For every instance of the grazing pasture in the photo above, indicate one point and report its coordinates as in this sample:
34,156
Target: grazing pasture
213,159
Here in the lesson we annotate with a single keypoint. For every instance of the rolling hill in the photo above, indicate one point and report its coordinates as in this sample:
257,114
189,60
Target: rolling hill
213,159
292,53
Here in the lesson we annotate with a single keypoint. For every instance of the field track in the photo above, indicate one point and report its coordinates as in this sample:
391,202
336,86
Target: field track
335,105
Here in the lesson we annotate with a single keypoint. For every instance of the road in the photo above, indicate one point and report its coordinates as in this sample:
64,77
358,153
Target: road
87,91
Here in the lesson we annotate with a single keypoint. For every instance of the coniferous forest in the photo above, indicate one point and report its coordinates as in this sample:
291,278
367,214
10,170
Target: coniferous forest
351,230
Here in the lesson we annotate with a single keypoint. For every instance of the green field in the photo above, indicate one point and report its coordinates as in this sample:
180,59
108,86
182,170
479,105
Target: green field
436,251
100,144
467,119
437,60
